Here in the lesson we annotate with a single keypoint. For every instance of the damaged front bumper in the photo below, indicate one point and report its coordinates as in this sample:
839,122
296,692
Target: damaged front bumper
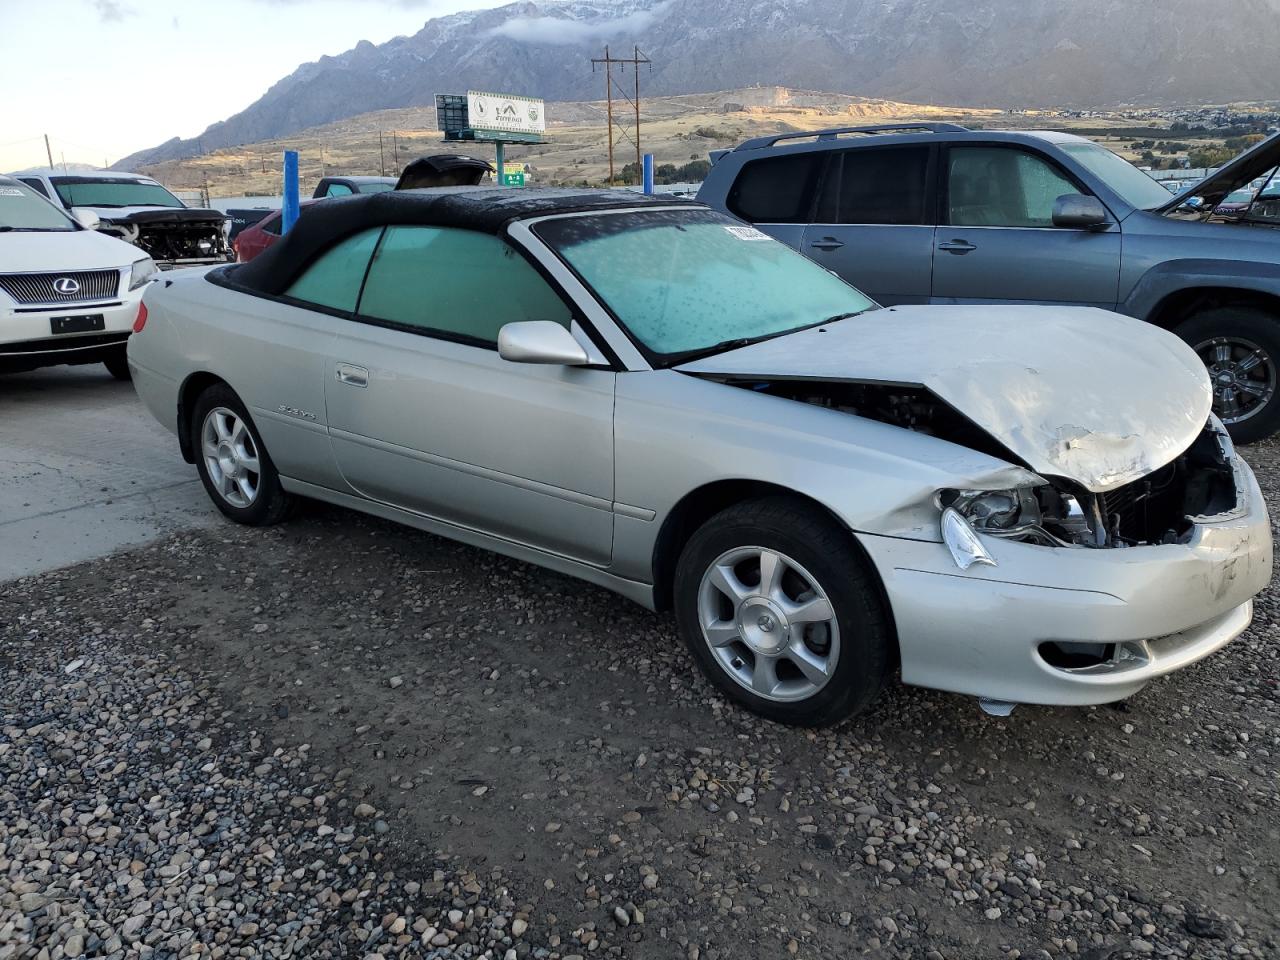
1075,626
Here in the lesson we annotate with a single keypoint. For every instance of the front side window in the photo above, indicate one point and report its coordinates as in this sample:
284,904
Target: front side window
1001,187
121,192
338,190
693,282
457,283
1133,185
775,189
22,209
887,185
333,279
374,186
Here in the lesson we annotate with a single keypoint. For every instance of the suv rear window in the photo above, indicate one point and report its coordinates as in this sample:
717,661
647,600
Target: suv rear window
882,185
775,189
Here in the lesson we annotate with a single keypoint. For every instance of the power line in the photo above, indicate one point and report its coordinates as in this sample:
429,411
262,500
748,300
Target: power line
635,60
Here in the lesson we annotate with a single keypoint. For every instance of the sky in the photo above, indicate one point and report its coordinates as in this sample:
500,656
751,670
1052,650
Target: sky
104,78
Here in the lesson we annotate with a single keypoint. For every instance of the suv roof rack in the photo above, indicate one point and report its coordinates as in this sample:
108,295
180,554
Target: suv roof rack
758,143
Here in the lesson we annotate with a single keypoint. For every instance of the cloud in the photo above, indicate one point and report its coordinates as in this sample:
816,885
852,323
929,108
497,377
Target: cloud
112,11
558,31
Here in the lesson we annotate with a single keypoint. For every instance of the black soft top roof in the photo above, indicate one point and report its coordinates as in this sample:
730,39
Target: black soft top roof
486,209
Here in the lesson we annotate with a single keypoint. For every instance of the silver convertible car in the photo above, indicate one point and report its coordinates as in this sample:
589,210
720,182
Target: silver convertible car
1023,504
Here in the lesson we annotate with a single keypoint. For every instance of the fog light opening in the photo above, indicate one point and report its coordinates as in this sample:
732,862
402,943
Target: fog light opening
1076,656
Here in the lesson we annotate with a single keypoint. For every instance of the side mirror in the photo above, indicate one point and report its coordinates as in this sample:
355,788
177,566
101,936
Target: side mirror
1078,212
87,219
540,341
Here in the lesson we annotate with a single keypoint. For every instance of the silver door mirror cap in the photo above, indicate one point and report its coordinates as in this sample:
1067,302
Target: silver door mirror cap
1076,211
540,341
86,218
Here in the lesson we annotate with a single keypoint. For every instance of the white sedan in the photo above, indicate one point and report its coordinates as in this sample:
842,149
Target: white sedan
67,293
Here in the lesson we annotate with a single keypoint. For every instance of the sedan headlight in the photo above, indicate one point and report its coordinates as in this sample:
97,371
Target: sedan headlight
142,271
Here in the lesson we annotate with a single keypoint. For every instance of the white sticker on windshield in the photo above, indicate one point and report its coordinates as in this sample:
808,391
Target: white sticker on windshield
748,233
11,192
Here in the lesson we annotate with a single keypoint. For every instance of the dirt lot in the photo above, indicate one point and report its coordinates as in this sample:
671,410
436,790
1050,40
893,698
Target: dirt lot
339,737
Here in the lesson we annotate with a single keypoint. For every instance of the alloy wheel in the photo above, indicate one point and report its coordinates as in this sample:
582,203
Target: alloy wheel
1243,376
769,624
231,457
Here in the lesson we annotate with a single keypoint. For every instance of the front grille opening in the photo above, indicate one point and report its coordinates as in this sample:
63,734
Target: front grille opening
1160,508
1076,656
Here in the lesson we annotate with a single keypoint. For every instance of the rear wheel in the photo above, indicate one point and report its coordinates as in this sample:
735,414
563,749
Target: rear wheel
782,613
117,364
1240,347
234,466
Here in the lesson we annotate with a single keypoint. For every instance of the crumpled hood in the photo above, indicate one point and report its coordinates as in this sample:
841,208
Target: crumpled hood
1096,397
144,215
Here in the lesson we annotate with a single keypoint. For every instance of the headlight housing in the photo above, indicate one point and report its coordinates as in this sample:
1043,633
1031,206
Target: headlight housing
142,271
999,513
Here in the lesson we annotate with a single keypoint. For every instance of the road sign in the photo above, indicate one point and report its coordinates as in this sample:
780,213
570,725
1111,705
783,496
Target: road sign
505,112
513,174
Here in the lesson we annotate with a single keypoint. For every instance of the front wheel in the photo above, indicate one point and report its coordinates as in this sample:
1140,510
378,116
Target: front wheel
783,614
1240,347
234,466
117,364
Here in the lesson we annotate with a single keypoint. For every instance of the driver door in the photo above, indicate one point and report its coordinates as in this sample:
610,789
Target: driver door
424,414
997,242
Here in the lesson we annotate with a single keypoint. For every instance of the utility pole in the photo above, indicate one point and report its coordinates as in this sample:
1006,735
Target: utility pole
382,157
48,150
395,150
635,60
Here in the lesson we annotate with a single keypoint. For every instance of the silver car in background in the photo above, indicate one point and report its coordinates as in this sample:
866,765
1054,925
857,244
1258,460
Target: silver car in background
1023,504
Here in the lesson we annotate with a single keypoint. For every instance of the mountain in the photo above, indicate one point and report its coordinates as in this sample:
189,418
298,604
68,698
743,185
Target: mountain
1006,53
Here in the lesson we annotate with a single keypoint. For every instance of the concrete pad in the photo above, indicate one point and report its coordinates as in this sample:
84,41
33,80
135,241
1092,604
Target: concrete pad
85,471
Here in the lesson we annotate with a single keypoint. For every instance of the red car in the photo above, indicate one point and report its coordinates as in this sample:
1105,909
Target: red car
251,241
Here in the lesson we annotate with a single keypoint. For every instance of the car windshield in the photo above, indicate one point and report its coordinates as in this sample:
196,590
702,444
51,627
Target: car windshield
122,192
1132,185
1240,196
22,209
692,282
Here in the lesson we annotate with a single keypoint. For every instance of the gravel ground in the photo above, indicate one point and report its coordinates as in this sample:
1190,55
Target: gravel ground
342,738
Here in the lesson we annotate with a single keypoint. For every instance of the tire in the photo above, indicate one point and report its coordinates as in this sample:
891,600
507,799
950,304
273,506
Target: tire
225,459
1241,348
849,654
117,364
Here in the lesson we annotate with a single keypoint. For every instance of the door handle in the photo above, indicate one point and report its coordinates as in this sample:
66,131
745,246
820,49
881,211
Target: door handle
957,246
352,375
827,243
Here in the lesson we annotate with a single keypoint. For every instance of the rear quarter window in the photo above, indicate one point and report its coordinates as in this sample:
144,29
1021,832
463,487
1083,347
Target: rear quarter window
333,279
775,189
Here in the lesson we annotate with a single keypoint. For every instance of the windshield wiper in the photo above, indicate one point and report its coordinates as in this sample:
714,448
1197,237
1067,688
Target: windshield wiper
735,343
5,228
845,316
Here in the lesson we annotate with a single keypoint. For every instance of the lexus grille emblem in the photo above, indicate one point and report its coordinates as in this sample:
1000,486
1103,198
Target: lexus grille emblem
66,286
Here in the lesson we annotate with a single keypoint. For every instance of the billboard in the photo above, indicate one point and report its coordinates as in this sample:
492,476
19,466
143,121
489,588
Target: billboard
510,114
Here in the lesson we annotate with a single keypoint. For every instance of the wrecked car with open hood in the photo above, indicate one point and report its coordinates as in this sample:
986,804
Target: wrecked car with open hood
138,210
1022,504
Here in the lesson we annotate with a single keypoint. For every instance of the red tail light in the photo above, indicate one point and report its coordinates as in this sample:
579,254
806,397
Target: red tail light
141,320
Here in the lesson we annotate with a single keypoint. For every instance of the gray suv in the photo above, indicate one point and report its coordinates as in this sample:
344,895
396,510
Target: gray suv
937,213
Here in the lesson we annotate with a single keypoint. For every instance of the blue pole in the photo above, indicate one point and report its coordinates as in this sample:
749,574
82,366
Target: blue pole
289,215
501,161
648,173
